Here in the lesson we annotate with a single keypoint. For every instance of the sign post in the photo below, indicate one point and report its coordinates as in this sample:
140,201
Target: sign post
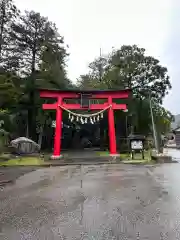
136,145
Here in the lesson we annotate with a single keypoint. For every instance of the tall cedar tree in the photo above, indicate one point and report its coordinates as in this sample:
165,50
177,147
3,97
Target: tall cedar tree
8,15
52,73
32,33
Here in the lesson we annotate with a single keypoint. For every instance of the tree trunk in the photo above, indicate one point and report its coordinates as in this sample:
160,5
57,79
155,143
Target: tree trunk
31,111
2,26
27,131
41,135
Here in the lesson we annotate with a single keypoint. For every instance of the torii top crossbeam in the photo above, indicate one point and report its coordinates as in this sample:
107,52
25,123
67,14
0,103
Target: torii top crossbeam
94,94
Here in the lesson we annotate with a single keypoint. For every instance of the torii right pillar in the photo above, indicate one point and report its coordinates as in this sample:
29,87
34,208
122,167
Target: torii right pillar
111,128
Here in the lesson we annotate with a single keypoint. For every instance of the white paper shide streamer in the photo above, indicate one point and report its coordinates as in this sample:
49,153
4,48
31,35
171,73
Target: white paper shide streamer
85,118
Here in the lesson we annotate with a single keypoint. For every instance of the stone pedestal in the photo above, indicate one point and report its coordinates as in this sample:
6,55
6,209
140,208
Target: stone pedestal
56,157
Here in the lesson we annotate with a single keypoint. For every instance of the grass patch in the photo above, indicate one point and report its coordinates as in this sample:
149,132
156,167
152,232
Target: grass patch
137,158
136,161
103,154
126,157
23,161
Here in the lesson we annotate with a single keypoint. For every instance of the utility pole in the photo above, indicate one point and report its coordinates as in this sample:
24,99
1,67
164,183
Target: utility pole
153,125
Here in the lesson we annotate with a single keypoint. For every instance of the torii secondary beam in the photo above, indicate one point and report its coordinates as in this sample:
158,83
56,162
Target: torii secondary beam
54,106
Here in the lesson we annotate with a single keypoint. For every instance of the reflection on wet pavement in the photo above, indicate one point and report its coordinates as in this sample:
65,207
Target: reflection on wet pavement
93,202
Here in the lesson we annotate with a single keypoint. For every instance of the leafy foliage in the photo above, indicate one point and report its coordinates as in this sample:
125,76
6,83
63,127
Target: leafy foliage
42,60
129,67
52,67
8,15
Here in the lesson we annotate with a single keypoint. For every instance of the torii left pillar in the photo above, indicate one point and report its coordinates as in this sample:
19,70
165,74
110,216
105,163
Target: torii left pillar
58,131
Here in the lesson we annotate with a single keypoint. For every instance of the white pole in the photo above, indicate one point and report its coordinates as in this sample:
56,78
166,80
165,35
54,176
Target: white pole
153,125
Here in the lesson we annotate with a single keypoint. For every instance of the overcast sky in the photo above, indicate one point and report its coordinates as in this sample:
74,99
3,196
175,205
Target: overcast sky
88,25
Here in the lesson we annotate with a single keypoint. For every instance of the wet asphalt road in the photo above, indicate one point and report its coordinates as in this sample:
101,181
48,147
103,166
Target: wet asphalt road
93,202
174,153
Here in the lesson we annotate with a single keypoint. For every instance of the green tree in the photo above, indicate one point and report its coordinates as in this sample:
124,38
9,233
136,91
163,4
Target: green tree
34,34
52,73
32,55
129,67
4,121
163,118
10,90
8,15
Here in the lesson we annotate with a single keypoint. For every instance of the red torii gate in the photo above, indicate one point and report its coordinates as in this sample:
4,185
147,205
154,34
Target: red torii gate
59,105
